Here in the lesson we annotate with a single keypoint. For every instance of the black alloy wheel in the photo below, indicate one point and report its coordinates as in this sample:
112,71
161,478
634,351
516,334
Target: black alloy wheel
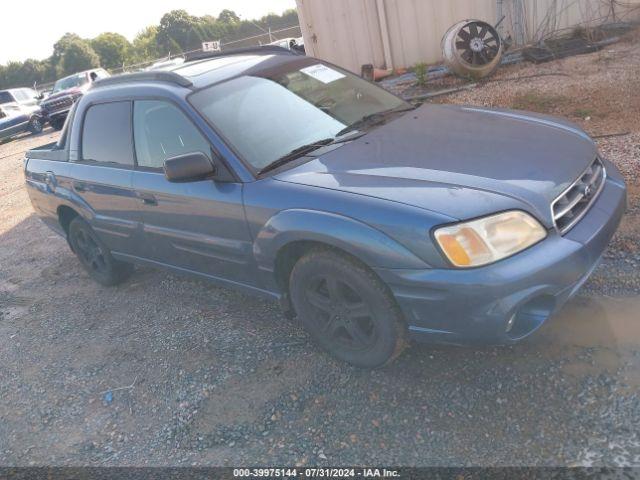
343,315
346,309
94,256
90,252
35,125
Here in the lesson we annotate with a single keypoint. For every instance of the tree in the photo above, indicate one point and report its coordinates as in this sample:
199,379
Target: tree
177,32
112,48
61,46
12,74
229,17
78,56
145,45
178,28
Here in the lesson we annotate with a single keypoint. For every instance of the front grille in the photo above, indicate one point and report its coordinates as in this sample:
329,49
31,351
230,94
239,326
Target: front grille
575,202
59,104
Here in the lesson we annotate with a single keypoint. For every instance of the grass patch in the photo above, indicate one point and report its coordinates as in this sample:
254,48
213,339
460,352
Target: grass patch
538,102
420,69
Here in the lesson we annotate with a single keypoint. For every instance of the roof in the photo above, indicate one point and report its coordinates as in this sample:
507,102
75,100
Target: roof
213,68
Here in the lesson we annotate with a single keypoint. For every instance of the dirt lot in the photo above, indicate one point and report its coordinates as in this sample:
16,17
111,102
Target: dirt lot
168,371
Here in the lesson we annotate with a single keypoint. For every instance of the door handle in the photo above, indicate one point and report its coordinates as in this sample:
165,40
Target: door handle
80,186
148,198
50,180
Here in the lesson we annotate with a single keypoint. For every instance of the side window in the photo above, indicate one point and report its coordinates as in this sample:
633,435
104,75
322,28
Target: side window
5,97
162,131
25,96
106,135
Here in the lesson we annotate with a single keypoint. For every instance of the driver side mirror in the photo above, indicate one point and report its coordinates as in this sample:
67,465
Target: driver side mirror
189,167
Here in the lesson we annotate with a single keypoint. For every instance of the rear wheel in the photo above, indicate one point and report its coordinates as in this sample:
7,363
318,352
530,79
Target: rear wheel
95,257
346,309
35,125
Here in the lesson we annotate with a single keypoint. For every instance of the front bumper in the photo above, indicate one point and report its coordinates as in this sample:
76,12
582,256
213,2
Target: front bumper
476,306
53,115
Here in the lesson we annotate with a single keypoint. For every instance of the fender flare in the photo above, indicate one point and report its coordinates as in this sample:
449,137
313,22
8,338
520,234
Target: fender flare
371,246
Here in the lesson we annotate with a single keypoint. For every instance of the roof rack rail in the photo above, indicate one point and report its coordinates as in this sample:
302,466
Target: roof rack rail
159,76
264,49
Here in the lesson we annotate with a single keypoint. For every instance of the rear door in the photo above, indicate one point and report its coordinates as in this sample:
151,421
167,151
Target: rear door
198,226
102,175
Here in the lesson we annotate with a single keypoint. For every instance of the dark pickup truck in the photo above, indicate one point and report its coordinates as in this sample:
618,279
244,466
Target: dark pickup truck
369,219
66,91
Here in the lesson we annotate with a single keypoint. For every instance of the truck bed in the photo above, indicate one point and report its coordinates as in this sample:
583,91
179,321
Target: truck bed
48,152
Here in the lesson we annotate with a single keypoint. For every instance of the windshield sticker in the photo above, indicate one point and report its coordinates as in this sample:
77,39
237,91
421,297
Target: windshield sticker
323,73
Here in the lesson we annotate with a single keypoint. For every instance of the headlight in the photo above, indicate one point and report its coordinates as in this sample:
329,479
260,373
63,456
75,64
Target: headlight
487,240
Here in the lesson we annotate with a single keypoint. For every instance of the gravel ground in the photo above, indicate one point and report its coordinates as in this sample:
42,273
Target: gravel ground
169,371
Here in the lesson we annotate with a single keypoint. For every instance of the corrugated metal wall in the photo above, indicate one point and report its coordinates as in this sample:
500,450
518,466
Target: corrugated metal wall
351,33
346,33
416,27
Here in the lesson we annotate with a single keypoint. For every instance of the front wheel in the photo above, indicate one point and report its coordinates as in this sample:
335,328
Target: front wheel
347,310
57,123
35,125
94,256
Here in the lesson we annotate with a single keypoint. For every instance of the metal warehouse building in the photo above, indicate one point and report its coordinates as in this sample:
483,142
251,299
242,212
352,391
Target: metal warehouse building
401,33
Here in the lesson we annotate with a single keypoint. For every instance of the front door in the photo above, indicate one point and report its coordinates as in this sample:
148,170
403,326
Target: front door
197,226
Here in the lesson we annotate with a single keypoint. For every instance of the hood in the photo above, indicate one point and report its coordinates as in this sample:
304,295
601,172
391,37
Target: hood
462,162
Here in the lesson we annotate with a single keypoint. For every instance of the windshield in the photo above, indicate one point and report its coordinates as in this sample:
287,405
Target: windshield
72,81
265,119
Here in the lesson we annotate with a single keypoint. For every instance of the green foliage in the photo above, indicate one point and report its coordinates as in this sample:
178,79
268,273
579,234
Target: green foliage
229,17
420,69
145,46
177,32
112,49
61,46
78,55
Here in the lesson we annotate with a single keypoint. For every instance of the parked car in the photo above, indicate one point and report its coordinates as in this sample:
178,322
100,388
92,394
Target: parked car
19,112
165,64
66,92
294,44
287,177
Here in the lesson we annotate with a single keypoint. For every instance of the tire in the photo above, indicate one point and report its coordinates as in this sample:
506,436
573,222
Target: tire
57,123
95,257
35,125
346,309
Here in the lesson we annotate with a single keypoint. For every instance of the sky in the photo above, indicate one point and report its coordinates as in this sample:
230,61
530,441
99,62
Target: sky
29,28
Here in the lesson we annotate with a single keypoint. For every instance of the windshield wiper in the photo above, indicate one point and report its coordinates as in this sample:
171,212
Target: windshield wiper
374,119
308,148
296,153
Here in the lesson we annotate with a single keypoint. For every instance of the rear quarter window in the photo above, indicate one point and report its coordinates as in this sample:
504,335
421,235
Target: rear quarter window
107,134
5,97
